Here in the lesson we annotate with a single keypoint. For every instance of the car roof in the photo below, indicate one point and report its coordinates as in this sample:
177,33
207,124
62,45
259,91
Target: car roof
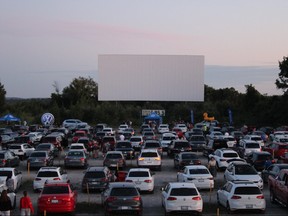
149,150
114,152
94,169
239,163
49,168
7,168
122,184
196,167
139,169
182,184
244,183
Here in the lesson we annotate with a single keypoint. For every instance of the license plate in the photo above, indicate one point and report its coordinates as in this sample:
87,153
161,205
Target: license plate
138,182
184,208
124,207
54,201
249,206
200,180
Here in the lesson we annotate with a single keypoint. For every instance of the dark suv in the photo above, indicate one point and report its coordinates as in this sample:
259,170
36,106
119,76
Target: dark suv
213,145
258,159
97,178
178,146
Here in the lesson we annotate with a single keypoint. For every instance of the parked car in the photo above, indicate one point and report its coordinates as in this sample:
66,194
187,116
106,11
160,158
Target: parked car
126,148
8,159
76,158
255,138
153,144
73,124
49,175
78,146
273,170
213,145
162,128
22,150
186,158
149,135
39,159
166,139
77,135
136,142
114,159
49,147
277,149
241,195
258,159
149,158
197,174
179,197
142,177
55,139
197,142
12,178
223,156
10,194
108,143
97,178
121,197
178,146
247,146
238,135
242,171
57,198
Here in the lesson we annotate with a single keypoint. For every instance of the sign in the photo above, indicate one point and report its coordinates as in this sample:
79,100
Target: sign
47,119
148,112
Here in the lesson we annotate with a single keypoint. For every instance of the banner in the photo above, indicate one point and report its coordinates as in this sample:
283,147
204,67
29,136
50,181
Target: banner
230,117
192,117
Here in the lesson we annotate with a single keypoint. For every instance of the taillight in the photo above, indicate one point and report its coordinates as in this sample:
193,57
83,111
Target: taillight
4,161
158,158
236,197
260,197
56,179
111,199
211,178
137,198
37,179
148,181
171,198
198,198
82,159
141,159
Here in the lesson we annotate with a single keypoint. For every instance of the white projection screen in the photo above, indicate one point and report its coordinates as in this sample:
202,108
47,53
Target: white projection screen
151,78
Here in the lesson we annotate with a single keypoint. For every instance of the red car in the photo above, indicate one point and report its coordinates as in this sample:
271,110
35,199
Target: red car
77,135
57,198
276,149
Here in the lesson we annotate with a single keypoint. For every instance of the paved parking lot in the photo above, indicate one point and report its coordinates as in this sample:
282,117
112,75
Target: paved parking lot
152,202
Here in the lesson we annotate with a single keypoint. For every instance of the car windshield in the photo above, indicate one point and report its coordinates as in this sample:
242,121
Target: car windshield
124,192
245,170
252,145
38,154
47,174
247,190
76,153
94,175
6,173
189,156
198,171
139,174
183,192
230,154
149,154
55,190
113,156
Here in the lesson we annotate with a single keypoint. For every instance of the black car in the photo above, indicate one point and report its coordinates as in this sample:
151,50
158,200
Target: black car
97,178
49,147
186,158
258,159
178,146
126,148
197,142
122,197
214,144
272,170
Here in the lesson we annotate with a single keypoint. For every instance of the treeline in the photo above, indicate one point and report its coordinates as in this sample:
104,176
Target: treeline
80,100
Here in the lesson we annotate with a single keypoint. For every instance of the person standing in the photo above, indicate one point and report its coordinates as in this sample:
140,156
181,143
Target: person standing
212,166
5,204
26,207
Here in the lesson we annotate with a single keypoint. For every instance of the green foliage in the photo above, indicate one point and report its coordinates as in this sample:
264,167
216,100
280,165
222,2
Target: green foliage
2,96
282,82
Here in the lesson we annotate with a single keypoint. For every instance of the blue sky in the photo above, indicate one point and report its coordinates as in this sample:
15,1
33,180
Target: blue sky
43,42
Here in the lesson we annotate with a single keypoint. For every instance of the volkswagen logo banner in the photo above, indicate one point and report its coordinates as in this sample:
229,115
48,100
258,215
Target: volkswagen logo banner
47,119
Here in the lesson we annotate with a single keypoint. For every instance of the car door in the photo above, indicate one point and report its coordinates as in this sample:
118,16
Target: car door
223,193
165,194
229,173
18,177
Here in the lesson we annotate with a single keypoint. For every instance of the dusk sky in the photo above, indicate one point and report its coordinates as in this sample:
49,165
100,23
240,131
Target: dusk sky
55,41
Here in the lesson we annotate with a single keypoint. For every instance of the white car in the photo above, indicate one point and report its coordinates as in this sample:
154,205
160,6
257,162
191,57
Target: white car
12,177
238,170
183,127
241,195
255,138
37,136
231,141
73,123
197,174
78,146
166,140
214,135
181,197
149,158
142,178
246,147
222,156
136,142
22,150
163,128
49,175
122,127
109,131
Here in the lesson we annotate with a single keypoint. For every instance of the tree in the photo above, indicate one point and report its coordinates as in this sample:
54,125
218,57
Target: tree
282,82
2,95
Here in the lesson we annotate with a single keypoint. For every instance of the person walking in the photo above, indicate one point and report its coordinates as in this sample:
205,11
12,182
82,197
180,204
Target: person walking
212,166
26,207
5,204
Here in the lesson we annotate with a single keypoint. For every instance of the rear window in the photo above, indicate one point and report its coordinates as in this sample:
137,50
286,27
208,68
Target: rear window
14,147
149,154
76,153
181,145
198,171
168,138
135,139
43,147
139,174
183,192
56,190
189,156
197,138
38,154
108,139
256,138
124,192
76,147
113,156
252,145
94,175
245,170
123,145
230,154
6,173
220,144
247,190
264,157
152,145
2,156
47,174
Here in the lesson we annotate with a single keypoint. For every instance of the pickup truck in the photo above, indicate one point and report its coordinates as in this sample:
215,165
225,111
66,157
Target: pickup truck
279,187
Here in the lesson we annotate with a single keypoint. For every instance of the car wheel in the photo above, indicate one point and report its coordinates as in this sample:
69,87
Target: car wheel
272,196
